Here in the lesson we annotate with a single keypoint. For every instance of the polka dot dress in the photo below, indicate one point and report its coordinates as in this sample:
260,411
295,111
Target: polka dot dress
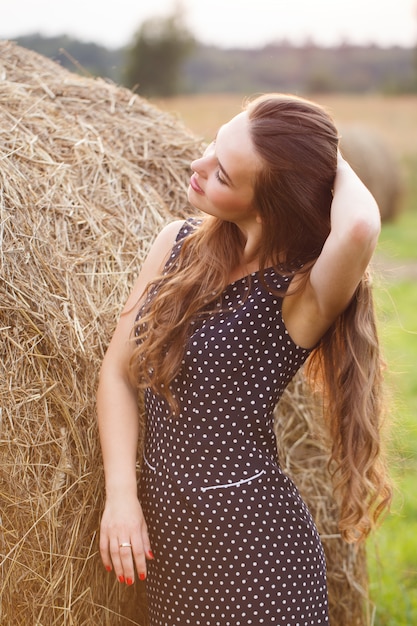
234,543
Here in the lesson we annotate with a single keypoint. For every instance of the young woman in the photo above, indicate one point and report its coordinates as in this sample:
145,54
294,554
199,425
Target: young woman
225,311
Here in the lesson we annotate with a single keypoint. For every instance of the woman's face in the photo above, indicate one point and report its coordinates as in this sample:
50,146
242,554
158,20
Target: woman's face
223,181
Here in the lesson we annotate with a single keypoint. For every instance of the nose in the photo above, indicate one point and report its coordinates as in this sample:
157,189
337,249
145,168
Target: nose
200,165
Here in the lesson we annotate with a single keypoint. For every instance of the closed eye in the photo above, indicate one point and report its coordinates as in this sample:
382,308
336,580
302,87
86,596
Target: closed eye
219,178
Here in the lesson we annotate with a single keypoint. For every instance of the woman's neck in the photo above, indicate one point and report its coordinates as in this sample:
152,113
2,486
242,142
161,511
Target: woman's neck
252,242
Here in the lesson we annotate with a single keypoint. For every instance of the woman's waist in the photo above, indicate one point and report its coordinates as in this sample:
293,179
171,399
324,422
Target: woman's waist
210,468
202,447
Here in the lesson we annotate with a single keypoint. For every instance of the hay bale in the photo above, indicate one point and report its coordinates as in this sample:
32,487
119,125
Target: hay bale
376,165
89,173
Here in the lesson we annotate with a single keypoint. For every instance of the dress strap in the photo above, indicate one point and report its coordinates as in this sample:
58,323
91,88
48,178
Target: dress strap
189,226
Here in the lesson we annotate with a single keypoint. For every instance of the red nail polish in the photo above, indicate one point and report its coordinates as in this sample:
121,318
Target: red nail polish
151,554
142,576
108,568
129,581
121,579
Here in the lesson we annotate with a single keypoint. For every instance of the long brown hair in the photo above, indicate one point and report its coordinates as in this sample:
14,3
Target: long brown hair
297,142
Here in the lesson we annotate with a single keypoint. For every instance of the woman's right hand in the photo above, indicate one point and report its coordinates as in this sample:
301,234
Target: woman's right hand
118,422
123,522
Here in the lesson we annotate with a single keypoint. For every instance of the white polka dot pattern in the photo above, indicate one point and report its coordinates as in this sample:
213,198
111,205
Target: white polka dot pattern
234,543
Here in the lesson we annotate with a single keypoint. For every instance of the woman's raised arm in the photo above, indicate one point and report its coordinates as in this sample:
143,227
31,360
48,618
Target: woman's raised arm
355,227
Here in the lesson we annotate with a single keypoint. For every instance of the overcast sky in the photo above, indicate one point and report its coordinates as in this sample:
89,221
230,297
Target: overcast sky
227,23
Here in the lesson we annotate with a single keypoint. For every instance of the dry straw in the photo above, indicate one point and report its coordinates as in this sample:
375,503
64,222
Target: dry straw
89,172
375,163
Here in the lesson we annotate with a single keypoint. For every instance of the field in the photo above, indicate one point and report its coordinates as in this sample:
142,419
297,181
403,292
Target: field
394,117
392,551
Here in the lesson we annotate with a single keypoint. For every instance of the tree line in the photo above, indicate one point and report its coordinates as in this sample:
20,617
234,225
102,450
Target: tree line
164,59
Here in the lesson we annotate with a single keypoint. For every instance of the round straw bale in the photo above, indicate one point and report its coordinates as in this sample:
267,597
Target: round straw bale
375,164
89,173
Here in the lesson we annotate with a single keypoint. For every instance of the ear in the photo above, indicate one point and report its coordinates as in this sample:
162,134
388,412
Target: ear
258,219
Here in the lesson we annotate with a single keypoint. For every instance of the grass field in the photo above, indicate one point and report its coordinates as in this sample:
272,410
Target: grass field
392,551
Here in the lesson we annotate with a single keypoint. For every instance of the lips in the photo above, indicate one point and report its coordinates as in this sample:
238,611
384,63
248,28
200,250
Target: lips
194,185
